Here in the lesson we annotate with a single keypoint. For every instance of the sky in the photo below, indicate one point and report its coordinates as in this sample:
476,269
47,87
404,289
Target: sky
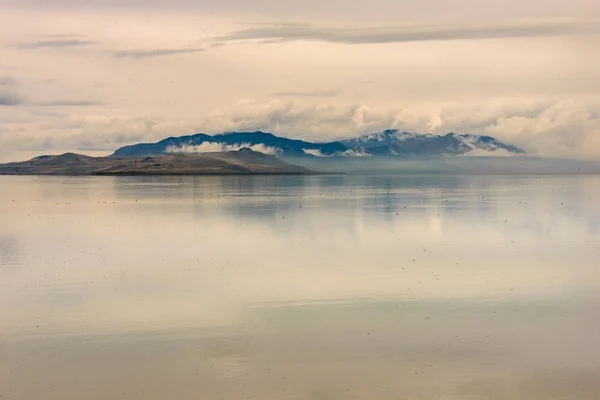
92,76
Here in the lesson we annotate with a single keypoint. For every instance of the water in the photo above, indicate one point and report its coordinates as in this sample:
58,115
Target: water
326,287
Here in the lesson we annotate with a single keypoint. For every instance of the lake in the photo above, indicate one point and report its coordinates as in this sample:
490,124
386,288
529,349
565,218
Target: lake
300,287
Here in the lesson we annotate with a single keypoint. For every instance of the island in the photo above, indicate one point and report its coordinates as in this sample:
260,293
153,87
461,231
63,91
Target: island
241,162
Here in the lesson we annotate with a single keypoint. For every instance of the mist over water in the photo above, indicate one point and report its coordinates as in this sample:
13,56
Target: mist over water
300,287
466,164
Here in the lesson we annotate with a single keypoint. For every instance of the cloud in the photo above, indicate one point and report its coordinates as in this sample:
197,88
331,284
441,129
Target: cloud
139,54
314,152
9,100
398,34
68,103
28,129
355,153
375,10
319,121
568,128
6,81
219,148
57,43
11,95
314,93
8,91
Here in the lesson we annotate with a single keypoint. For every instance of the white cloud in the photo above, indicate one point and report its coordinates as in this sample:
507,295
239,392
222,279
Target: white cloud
349,153
314,152
355,153
219,148
567,128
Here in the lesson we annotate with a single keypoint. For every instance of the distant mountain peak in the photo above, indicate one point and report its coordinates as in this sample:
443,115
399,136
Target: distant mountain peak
396,142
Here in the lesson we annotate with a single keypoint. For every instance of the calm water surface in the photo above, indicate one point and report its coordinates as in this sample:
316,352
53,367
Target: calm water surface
327,287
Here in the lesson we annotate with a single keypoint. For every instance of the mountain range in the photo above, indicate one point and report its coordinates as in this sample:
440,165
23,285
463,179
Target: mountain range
255,153
391,143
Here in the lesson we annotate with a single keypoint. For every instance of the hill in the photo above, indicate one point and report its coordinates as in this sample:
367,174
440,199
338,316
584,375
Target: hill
241,162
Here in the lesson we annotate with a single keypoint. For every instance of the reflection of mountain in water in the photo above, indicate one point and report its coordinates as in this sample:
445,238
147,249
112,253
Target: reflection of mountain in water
315,203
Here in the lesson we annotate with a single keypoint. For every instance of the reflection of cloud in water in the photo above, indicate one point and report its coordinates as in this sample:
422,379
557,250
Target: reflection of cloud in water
9,252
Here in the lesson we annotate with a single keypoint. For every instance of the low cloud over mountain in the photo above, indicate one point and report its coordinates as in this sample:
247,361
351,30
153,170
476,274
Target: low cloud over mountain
386,143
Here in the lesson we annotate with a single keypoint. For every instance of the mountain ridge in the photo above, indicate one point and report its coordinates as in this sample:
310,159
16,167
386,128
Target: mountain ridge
240,139
390,142
396,142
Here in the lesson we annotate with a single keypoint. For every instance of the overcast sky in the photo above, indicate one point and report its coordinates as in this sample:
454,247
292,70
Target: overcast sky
91,76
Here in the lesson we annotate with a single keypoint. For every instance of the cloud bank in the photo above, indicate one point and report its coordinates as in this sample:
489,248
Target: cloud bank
567,129
140,54
365,35
58,43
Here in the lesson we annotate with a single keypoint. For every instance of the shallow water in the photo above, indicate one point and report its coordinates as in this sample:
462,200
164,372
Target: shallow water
322,287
